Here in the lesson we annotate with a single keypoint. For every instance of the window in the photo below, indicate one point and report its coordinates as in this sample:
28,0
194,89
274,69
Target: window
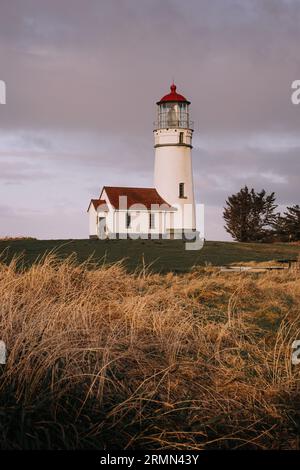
151,220
102,222
128,220
181,137
181,190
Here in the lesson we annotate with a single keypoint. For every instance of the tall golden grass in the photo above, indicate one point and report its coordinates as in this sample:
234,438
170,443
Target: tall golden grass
98,358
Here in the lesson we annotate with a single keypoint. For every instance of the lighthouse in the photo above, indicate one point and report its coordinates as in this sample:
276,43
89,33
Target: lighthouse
166,210
173,174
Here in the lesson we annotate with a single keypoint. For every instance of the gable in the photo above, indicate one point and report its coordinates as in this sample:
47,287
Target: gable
97,203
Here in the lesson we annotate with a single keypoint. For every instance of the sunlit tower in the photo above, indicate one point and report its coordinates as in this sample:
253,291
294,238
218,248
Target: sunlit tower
173,174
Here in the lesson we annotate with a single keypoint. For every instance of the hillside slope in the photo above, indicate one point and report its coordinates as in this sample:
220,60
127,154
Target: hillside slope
163,256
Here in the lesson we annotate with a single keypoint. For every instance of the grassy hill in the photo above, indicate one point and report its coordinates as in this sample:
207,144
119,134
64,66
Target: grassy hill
104,359
164,256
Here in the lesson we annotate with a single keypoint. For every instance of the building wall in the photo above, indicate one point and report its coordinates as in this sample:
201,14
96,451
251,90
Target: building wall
92,214
171,136
173,165
115,222
139,222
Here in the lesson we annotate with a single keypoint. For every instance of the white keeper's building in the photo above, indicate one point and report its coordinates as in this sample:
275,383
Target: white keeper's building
168,209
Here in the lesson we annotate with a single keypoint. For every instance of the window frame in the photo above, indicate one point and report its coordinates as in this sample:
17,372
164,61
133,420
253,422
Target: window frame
151,220
128,220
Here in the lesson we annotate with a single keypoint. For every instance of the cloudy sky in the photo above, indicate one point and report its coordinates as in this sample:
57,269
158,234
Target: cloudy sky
82,81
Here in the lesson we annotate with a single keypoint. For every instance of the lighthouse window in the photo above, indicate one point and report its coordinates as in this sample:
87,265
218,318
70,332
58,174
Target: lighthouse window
181,190
181,137
128,220
151,220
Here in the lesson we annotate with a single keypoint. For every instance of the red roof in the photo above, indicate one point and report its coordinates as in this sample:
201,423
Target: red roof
98,202
173,96
145,196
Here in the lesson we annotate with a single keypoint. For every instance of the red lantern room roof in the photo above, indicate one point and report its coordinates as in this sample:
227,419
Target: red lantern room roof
173,96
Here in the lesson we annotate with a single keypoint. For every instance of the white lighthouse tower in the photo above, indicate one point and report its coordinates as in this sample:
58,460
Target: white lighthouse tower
173,175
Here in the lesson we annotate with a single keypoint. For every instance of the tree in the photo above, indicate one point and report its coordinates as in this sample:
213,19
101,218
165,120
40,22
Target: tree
249,215
279,227
287,227
292,222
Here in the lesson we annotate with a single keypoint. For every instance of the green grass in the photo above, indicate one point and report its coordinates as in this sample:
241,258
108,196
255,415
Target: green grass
164,256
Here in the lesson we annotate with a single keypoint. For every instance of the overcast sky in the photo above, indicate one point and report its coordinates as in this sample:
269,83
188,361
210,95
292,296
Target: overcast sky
82,81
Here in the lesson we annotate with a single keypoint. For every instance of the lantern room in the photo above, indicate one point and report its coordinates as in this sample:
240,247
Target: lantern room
173,111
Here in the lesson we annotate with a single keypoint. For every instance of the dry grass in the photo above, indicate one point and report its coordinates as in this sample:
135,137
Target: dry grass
98,358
